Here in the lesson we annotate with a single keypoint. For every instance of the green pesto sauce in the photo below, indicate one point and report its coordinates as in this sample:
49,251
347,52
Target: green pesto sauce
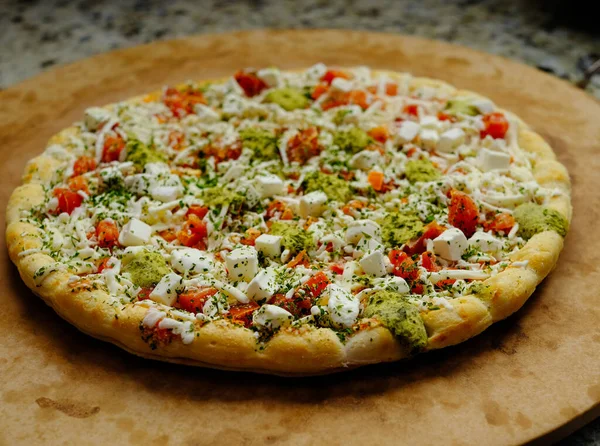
334,187
140,154
398,316
421,170
262,142
460,107
353,140
219,196
397,228
146,268
293,236
288,98
533,219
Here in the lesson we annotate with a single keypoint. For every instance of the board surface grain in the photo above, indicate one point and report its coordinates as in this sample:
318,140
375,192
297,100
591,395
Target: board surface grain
533,376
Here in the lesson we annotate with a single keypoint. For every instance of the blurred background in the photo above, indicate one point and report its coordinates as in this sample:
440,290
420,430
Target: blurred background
557,36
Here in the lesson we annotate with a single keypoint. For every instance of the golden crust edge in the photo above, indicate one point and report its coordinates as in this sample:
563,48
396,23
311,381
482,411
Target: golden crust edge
469,317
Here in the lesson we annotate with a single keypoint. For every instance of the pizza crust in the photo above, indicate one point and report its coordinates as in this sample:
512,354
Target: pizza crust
291,351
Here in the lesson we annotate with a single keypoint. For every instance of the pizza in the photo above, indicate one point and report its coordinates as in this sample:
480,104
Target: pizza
290,222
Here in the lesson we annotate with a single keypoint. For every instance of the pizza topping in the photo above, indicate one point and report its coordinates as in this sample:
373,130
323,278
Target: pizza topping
278,196
533,219
399,316
146,268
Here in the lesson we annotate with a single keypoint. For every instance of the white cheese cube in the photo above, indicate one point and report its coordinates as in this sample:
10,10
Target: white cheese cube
373,263
493,160
450,244
312,204
343,307
156,169
94,116
430,122
429,138
341,84
233,173
190,260
407,131
206,113
242,263
450,140
367,244
165,291
366,160
485,242
483,105
395,284
269,185
316,72
135,233
263,286
270,76
166,193
269,245
360,229
272,317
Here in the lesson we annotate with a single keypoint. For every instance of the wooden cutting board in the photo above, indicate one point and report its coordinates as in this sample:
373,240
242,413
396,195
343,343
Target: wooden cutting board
536,374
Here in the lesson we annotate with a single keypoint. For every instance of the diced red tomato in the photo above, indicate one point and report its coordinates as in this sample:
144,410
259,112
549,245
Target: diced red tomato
315,285
193,232
250,237
250,83
428,261
83,164
332,74
380,133
113,146
462,212
444,284
337,269
352,206
224,153
162,336
411,109
375,179
335,99
78,183
144,293
242,313
495,125
67,200
182,103
319,91
304,145
107,234
168,234
197,210
300,259
176,139
304,297
404,266
278,206
390,89
103,264
500,223
193,301
431,231
358,97
445,117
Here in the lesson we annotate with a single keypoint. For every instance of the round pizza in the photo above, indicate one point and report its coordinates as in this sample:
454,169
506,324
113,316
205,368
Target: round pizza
290,222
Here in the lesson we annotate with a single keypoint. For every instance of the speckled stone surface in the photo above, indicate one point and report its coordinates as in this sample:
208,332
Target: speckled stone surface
36,35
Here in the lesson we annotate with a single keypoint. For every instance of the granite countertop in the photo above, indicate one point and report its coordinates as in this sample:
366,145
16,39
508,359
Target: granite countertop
36,35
